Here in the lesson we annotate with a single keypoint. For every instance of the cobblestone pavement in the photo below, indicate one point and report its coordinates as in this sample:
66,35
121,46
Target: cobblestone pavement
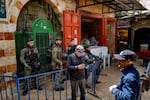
111,75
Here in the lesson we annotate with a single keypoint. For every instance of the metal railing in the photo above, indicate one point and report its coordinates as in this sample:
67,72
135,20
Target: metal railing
11,87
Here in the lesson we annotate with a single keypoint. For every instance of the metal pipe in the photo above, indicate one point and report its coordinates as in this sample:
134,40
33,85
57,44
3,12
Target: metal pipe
118,1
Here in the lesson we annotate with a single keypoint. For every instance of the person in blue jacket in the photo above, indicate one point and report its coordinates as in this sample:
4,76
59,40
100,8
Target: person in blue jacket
129,86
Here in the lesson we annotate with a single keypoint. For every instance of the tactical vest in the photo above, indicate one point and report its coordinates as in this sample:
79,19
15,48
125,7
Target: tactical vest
31,57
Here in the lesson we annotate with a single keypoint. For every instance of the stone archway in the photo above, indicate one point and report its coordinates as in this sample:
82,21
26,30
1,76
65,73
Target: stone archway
141,37
42,17
139,26
16,7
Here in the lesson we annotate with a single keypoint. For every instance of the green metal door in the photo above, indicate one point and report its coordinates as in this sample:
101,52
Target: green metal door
37,19
20,40
44,36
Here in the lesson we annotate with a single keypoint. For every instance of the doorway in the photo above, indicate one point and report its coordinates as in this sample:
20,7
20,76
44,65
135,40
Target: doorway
142,37
89,28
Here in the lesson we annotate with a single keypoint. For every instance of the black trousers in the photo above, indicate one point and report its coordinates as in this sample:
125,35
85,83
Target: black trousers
74,88
31,72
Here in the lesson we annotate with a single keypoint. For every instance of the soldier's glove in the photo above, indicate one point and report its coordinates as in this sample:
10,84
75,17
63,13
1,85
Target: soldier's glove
28,67
60,63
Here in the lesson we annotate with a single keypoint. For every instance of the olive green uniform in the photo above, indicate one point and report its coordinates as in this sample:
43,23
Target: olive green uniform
25,59
57,64
57,57
29,58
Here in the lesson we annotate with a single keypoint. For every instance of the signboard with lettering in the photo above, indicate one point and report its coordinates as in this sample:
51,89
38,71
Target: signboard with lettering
2,9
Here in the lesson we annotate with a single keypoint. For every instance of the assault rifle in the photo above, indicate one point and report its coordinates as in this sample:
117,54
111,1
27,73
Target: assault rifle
34,60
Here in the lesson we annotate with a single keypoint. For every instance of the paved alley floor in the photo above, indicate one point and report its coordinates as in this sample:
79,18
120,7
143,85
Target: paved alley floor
110,75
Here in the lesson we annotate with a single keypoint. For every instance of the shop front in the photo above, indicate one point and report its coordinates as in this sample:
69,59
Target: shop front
84,24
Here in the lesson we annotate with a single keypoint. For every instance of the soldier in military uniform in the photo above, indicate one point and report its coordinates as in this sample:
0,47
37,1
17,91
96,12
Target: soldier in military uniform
93,63
57,62
30,59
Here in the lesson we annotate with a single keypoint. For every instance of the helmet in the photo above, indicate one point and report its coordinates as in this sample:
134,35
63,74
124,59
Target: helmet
29,39
87,45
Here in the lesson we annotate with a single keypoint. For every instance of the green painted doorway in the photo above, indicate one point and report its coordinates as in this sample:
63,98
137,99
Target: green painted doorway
42,34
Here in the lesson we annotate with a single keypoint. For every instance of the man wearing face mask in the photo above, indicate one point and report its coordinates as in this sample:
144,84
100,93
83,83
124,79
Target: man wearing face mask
129,86
30,59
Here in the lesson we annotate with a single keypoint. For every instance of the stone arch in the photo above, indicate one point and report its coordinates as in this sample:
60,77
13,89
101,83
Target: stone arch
145,27
18,5
145,23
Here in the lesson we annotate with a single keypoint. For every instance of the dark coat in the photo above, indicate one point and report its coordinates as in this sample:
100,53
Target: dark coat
72,62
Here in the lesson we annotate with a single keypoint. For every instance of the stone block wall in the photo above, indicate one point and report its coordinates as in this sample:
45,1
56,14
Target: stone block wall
7,56
8,27
7,52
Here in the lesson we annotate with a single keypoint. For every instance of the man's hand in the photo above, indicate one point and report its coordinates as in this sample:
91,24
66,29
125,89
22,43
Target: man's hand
111,87
147,78
60,63
81,66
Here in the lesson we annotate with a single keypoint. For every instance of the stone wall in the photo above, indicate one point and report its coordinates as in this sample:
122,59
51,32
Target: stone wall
8,28
143,23
7,37
7,52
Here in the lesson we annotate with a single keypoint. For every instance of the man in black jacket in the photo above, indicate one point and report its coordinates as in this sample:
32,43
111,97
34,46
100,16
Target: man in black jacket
76,67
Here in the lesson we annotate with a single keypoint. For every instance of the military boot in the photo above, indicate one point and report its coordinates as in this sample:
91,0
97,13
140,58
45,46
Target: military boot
39,88
25,92
59,88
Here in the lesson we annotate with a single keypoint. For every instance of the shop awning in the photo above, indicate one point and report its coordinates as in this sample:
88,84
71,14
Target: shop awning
116,5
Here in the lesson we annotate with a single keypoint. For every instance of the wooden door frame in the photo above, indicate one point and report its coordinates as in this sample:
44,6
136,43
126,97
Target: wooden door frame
110,19
102,22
